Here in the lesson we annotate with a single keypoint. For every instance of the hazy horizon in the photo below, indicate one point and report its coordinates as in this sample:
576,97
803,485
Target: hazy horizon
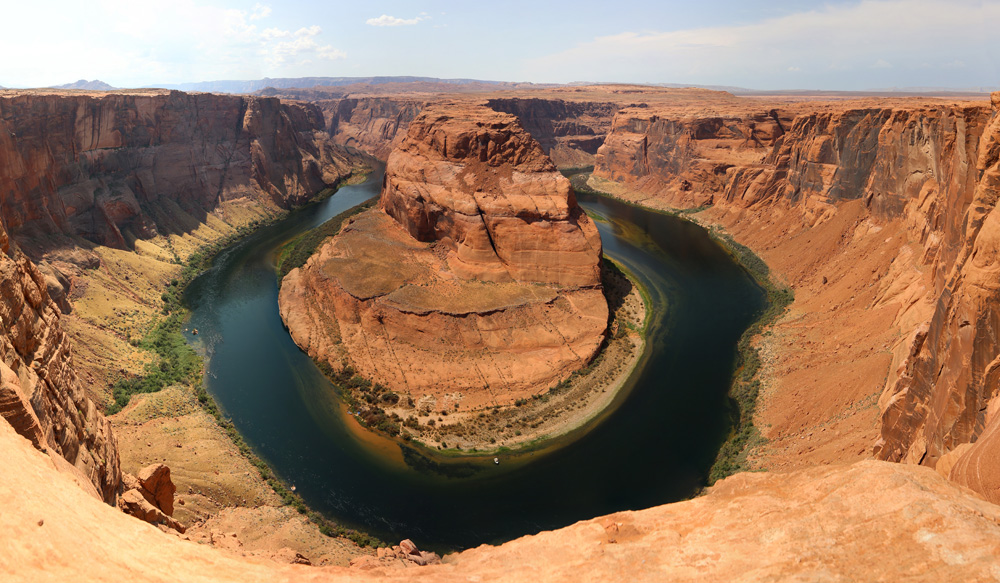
780,45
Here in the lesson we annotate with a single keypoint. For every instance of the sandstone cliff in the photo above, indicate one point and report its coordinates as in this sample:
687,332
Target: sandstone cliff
40,395
110,167
85,169
479,273
374,125
570,132
924,175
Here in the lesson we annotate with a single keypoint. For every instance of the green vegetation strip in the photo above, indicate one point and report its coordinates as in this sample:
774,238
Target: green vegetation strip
178,363
732,457
744,437
296,252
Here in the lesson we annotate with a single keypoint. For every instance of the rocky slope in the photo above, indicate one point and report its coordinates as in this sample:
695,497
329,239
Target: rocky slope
478,274
831,523
568,131
892,203
110,167
40,395
374,125
108,191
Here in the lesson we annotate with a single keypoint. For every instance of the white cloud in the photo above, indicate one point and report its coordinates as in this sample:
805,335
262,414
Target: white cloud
386,20
301,46
260,11
273,33
881,64
140,44
794,69
311,31
822,43
329,53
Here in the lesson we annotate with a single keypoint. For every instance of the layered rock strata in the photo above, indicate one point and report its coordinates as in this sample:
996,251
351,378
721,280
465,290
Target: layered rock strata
925,176
40,394
570,132
114,167
477,274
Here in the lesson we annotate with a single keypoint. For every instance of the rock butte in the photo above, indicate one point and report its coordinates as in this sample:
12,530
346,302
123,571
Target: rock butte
881,214
477,274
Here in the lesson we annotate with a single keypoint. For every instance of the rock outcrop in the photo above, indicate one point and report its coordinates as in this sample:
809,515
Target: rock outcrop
150,496
478,273
570,132
115,167
374,125
40,394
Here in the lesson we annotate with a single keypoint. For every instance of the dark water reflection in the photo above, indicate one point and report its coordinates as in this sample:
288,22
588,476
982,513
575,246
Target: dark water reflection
655,446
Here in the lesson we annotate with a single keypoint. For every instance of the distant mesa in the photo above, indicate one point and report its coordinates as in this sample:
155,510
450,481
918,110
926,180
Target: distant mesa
94,85
477,274
250,86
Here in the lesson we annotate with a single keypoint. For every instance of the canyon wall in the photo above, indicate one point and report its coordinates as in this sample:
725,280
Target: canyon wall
85,169
40,395
478,276
109,167
374,125
569,132
656,150
927,172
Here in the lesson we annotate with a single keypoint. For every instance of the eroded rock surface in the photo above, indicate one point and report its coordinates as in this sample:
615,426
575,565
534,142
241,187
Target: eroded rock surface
40,394
906,192
478,273
119,166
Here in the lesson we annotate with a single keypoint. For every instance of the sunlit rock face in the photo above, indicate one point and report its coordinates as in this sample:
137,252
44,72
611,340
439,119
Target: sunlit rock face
478,273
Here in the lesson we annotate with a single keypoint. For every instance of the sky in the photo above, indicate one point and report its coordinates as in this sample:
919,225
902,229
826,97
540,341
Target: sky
781,44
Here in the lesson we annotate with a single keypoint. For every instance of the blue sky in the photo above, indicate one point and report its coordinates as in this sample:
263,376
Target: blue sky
764,45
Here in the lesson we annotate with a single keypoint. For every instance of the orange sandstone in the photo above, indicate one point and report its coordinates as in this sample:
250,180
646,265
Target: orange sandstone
478,273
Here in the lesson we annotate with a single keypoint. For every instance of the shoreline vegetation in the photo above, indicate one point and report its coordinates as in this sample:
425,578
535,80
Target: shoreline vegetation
176,362
528,424
744,436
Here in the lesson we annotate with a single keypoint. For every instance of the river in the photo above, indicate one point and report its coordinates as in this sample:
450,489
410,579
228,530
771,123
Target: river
654,445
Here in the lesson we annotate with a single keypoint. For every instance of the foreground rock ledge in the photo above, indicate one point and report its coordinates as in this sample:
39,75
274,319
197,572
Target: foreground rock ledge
871,521
477,280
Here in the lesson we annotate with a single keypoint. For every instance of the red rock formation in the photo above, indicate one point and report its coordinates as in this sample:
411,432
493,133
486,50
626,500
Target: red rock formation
150,496
109,167
570,132
930,170
40,395
487,281
688,156
478,179
374,125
